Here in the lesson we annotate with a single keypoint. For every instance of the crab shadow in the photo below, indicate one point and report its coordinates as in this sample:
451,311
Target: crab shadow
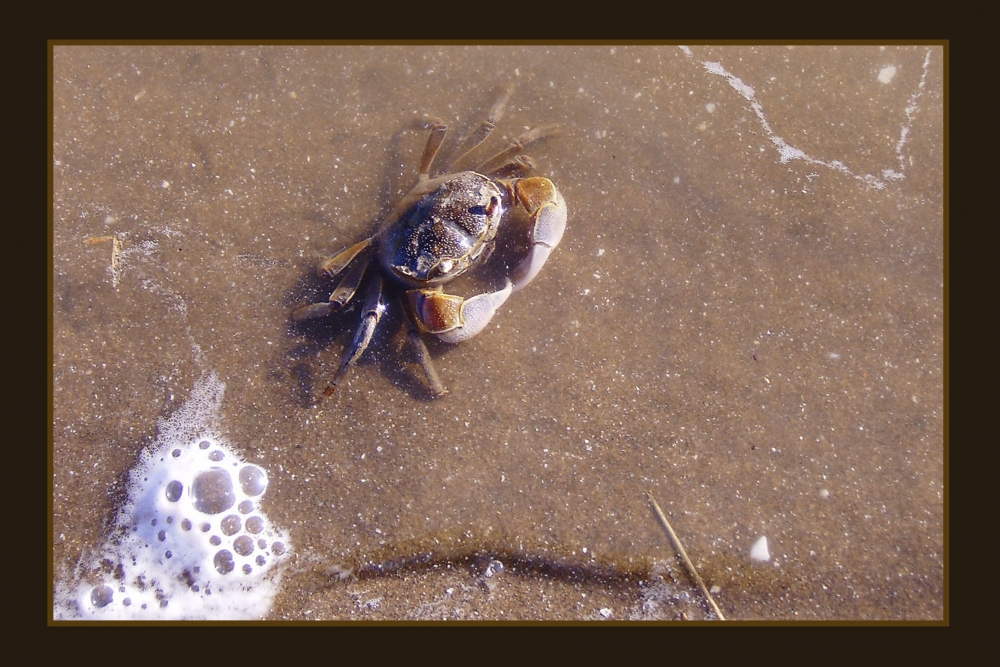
318,346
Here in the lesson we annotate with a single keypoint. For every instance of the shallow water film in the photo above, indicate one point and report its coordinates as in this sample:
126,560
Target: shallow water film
744,319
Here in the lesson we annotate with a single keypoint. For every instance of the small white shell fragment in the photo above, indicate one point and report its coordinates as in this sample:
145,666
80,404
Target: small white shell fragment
886,73
759,550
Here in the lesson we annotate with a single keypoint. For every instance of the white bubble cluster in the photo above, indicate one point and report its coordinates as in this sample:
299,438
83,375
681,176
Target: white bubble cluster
191,542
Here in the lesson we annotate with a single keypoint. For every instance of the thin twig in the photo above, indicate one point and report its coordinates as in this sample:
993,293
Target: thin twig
687,561
116,248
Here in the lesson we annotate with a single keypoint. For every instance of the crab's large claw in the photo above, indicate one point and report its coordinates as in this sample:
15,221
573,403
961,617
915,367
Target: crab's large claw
453,318
547,208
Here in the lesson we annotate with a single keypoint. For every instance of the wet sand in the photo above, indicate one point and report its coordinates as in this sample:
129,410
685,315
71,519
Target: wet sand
744,318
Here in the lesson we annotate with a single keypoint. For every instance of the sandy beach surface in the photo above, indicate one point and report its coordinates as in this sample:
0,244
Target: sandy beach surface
744,319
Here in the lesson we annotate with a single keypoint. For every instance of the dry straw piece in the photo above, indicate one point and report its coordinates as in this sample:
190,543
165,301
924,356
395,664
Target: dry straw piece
687,561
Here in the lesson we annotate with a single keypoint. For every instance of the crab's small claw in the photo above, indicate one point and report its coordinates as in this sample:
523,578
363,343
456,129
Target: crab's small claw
547,208
453,318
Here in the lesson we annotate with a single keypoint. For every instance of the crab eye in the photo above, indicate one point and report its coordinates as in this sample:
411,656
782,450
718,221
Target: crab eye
444,267
485,210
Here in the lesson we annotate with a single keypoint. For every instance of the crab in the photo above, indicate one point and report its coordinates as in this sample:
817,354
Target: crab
444,227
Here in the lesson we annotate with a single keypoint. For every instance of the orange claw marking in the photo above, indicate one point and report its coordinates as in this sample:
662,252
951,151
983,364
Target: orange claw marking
535,192
436,311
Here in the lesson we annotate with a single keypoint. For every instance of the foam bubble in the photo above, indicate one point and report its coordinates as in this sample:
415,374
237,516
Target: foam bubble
191,541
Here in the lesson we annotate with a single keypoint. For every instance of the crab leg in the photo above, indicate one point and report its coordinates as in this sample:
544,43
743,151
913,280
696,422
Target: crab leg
517,167
374,309
510,152
331,266
547,208
348,284
484,130
423,355
438,130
